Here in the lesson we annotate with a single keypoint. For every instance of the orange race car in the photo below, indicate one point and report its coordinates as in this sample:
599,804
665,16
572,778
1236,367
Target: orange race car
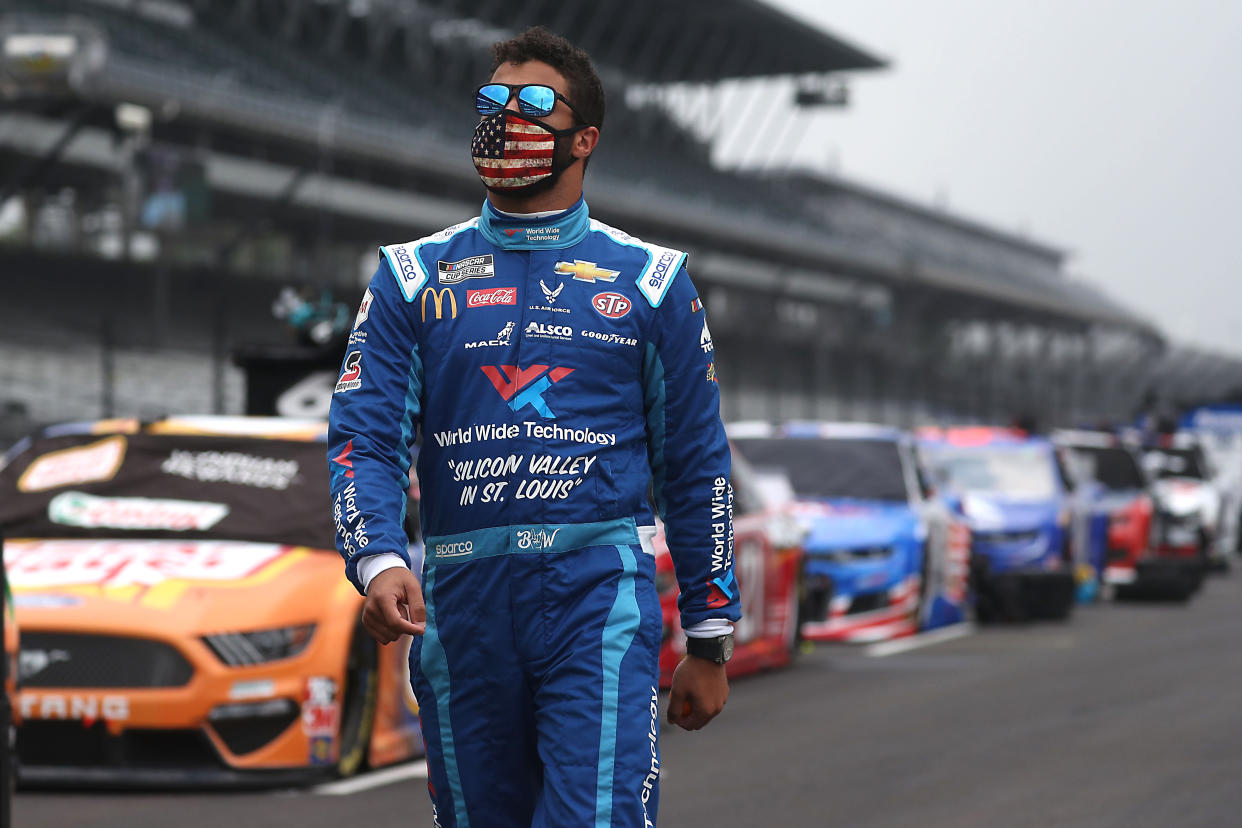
184,617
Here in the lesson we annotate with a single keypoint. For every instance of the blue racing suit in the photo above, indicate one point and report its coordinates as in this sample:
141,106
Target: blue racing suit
561,375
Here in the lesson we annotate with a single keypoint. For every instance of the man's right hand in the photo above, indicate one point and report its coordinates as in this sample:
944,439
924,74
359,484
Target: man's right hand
394,606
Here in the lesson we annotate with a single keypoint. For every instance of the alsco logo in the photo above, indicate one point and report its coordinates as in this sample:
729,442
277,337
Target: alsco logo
438,296
586,271
611,305
521,387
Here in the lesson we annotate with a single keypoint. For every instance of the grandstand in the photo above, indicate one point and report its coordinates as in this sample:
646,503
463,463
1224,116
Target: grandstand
169,166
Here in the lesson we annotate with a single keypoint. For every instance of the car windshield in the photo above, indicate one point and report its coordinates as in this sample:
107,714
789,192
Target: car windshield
1115,468
831,468
182,486
1020,471
1169,462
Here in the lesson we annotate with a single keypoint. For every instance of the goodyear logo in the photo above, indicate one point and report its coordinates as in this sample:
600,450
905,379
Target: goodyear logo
440,298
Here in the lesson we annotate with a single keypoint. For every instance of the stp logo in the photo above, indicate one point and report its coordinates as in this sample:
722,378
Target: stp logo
521,387
491,296
612,305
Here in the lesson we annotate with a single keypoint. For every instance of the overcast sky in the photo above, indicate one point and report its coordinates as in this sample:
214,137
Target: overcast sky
1112,128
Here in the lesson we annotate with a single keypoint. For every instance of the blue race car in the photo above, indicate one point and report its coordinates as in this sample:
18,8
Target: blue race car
883,557
1013,492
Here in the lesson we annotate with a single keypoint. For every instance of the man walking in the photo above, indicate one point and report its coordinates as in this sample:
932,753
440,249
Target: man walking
561,375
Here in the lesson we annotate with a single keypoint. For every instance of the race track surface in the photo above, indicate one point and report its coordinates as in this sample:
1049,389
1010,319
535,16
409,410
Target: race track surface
1130,715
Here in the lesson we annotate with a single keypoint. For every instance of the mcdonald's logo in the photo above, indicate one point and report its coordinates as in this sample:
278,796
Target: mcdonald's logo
438,296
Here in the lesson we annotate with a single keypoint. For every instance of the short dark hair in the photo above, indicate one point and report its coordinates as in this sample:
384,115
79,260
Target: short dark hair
537,43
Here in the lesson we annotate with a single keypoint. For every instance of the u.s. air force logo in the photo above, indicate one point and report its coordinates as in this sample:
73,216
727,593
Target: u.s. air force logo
440,298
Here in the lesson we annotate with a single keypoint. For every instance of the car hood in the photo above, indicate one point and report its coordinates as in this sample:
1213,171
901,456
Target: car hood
996,513
178,587
839,524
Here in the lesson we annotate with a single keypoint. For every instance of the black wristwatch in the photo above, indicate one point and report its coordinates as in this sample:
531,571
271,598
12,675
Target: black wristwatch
718,649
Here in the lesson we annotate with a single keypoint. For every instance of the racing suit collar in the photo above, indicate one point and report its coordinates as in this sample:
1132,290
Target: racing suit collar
556,231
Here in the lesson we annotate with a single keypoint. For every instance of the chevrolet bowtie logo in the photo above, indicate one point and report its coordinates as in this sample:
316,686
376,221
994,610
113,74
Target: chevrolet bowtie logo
586,271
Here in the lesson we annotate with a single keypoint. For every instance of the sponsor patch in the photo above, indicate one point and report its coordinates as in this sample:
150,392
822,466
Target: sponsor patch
611,305
611,338
91,512
705,339
351,376
364,309
550,294
475,267
711,372
538,330
75,466
491,296
442,299
520,387
586,271
501,340
696,305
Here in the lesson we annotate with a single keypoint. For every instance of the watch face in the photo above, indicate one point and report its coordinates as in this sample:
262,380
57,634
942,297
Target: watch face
726,649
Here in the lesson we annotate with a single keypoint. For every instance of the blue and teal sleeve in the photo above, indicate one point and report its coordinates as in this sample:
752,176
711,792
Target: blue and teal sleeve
689,455
372,425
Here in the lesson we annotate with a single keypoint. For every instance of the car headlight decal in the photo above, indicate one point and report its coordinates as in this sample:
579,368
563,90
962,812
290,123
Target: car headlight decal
242,649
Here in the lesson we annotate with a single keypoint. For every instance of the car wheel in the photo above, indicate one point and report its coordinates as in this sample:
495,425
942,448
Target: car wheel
358,702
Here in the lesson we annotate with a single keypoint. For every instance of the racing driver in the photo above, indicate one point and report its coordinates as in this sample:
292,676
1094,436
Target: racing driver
557,371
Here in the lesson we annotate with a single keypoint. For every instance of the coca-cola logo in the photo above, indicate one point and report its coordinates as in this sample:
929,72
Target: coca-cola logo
611,305
491,296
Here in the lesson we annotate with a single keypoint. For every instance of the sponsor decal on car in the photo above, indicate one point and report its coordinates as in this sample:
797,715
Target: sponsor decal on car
364,309
520,387
538,330
320,749
475,267
41,600
85,707
320,709
231,467
53,564
351,375
586,271
611,305
93,463
491,296
501,340
91,512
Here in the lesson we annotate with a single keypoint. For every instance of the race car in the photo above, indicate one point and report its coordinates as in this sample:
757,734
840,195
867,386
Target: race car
883,556
185,619
1011,489
767,557
1188,502
1135,563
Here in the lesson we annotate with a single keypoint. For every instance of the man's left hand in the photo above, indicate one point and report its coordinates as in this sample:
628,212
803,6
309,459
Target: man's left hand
700,689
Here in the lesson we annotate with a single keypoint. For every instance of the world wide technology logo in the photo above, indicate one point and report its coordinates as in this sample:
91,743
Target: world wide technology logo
520,387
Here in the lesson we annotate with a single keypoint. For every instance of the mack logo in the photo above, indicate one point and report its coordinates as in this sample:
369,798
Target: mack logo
475,267
659,274
586,271
502,338
520,387
439,297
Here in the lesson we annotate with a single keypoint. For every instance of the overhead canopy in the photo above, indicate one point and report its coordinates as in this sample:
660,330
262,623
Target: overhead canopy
656,41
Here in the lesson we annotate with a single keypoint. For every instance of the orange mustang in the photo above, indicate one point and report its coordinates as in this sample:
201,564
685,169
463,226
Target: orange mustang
183,613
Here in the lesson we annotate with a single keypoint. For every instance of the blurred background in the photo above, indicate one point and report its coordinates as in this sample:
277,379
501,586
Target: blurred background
192,192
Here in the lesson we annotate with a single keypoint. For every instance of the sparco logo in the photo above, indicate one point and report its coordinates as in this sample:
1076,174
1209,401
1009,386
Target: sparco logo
491,296
457,549
659,274
409,272
611,305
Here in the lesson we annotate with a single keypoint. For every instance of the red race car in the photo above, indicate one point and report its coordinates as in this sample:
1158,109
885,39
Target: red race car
767,544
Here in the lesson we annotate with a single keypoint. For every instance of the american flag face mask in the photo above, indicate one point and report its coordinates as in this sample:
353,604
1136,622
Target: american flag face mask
513,153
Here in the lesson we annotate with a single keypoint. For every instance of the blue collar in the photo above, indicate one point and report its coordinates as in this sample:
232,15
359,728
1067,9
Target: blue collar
551,233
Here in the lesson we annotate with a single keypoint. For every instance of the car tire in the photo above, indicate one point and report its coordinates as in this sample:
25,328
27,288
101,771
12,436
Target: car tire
358,703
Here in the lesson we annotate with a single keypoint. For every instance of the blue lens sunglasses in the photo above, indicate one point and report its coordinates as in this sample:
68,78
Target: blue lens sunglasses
536,100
